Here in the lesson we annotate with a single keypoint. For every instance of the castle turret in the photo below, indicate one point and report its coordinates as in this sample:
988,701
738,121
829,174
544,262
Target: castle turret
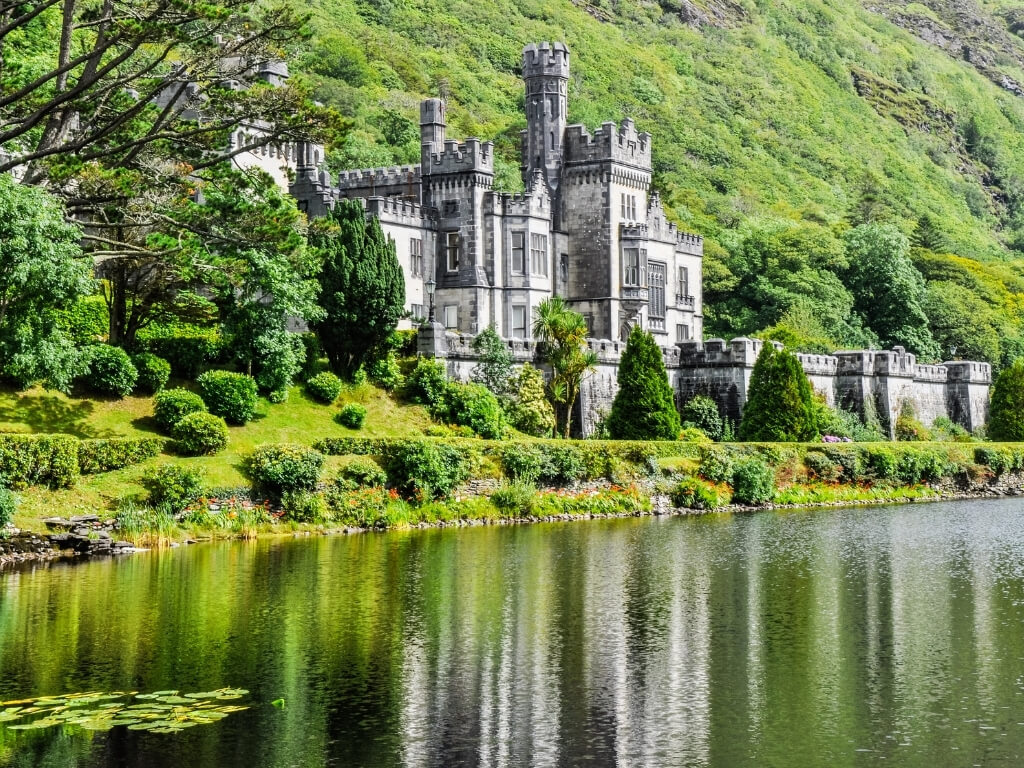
546,73
432,128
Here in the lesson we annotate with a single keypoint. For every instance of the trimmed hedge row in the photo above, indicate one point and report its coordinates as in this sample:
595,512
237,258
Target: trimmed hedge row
97,456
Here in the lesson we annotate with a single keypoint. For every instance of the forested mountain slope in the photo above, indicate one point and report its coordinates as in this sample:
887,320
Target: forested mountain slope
780,127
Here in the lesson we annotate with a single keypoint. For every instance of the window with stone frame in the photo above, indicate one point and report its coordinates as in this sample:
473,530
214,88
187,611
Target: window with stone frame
417,313
684,281
682,332
416,256
518,253
519,321
451,251
634,267
656,295
628,203
539,254
451,316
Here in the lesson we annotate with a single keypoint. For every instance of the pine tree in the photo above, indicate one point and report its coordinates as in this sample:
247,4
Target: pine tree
362,289
779,405
644,408
1006,412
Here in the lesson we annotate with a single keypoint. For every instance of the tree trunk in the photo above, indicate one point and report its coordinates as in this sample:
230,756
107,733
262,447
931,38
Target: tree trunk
117,305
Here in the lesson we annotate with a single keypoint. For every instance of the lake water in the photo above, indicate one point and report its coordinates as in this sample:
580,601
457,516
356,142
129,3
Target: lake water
871,636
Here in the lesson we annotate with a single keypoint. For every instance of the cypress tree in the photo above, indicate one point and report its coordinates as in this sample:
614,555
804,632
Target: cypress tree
644,408
362,289
1006,412
779,405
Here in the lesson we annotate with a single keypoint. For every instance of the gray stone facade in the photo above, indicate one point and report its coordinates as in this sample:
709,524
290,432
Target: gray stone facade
587,228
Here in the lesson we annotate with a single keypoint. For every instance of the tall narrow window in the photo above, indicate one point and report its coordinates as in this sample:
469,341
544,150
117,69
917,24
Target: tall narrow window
539,254
416,256
451,316
682,333
518,252
656,295
518,322
631,266
451,248
684,281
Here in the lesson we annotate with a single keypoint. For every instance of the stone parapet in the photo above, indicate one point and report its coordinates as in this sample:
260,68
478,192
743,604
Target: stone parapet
968,372
398,211
621,144
379,177
472,156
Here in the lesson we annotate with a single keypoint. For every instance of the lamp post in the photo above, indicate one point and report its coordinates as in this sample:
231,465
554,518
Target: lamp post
430,285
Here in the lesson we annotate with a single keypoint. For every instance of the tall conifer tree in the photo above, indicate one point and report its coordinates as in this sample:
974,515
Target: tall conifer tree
779,405
362,289
644,408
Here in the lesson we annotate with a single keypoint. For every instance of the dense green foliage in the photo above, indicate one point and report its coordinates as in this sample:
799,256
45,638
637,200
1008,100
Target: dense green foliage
41,271
110,370
694,493
8,506
563,333
528,409
324,387
228,394
701,412
171,405
200,434
779,405
426,384
286,467
644,407
422,470
352,415
153,372
362,289
473,406
50,460
188,349
173,487
494,367
753,481
106,455
1006,412
361,472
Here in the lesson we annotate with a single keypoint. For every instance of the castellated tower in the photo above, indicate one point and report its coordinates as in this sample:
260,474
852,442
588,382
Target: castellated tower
546,74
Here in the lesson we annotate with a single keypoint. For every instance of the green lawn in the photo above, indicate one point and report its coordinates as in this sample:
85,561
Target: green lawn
299,420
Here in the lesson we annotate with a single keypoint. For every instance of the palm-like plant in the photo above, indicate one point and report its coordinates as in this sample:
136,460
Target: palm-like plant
563,333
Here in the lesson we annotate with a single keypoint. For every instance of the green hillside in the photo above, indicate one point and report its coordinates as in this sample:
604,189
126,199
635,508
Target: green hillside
777,126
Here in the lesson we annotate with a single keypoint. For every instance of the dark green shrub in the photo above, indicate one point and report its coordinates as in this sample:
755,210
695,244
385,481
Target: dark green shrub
516,497
882,463
86,321
173,487
352,415
50,460
385,373
96,456
426,384
694,493
945,429
753,482
285,467
565,464
171,405
311,363
850,460
324,387
361,473
644,407
110,370
779,405
999,460
153,371
702,412
200,434
424,470
821,467
305,507
558,464
1006,410
921,465
523,462
715,465
8,507
473,406
188,349
231,395
404,342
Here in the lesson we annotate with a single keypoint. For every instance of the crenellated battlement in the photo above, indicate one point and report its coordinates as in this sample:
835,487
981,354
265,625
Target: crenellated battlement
379,177
968,372
545,60
634,232
472,156
621,144
398,210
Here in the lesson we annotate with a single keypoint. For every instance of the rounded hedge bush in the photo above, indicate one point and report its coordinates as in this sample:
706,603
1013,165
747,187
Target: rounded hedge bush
426,384
753,482
111,371
153,370
361,472
280,468
324,387
173,487
231,395
473,406
201,434
352,416
171,405
716,466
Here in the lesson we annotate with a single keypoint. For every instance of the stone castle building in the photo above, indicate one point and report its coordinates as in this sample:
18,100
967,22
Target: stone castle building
588,227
